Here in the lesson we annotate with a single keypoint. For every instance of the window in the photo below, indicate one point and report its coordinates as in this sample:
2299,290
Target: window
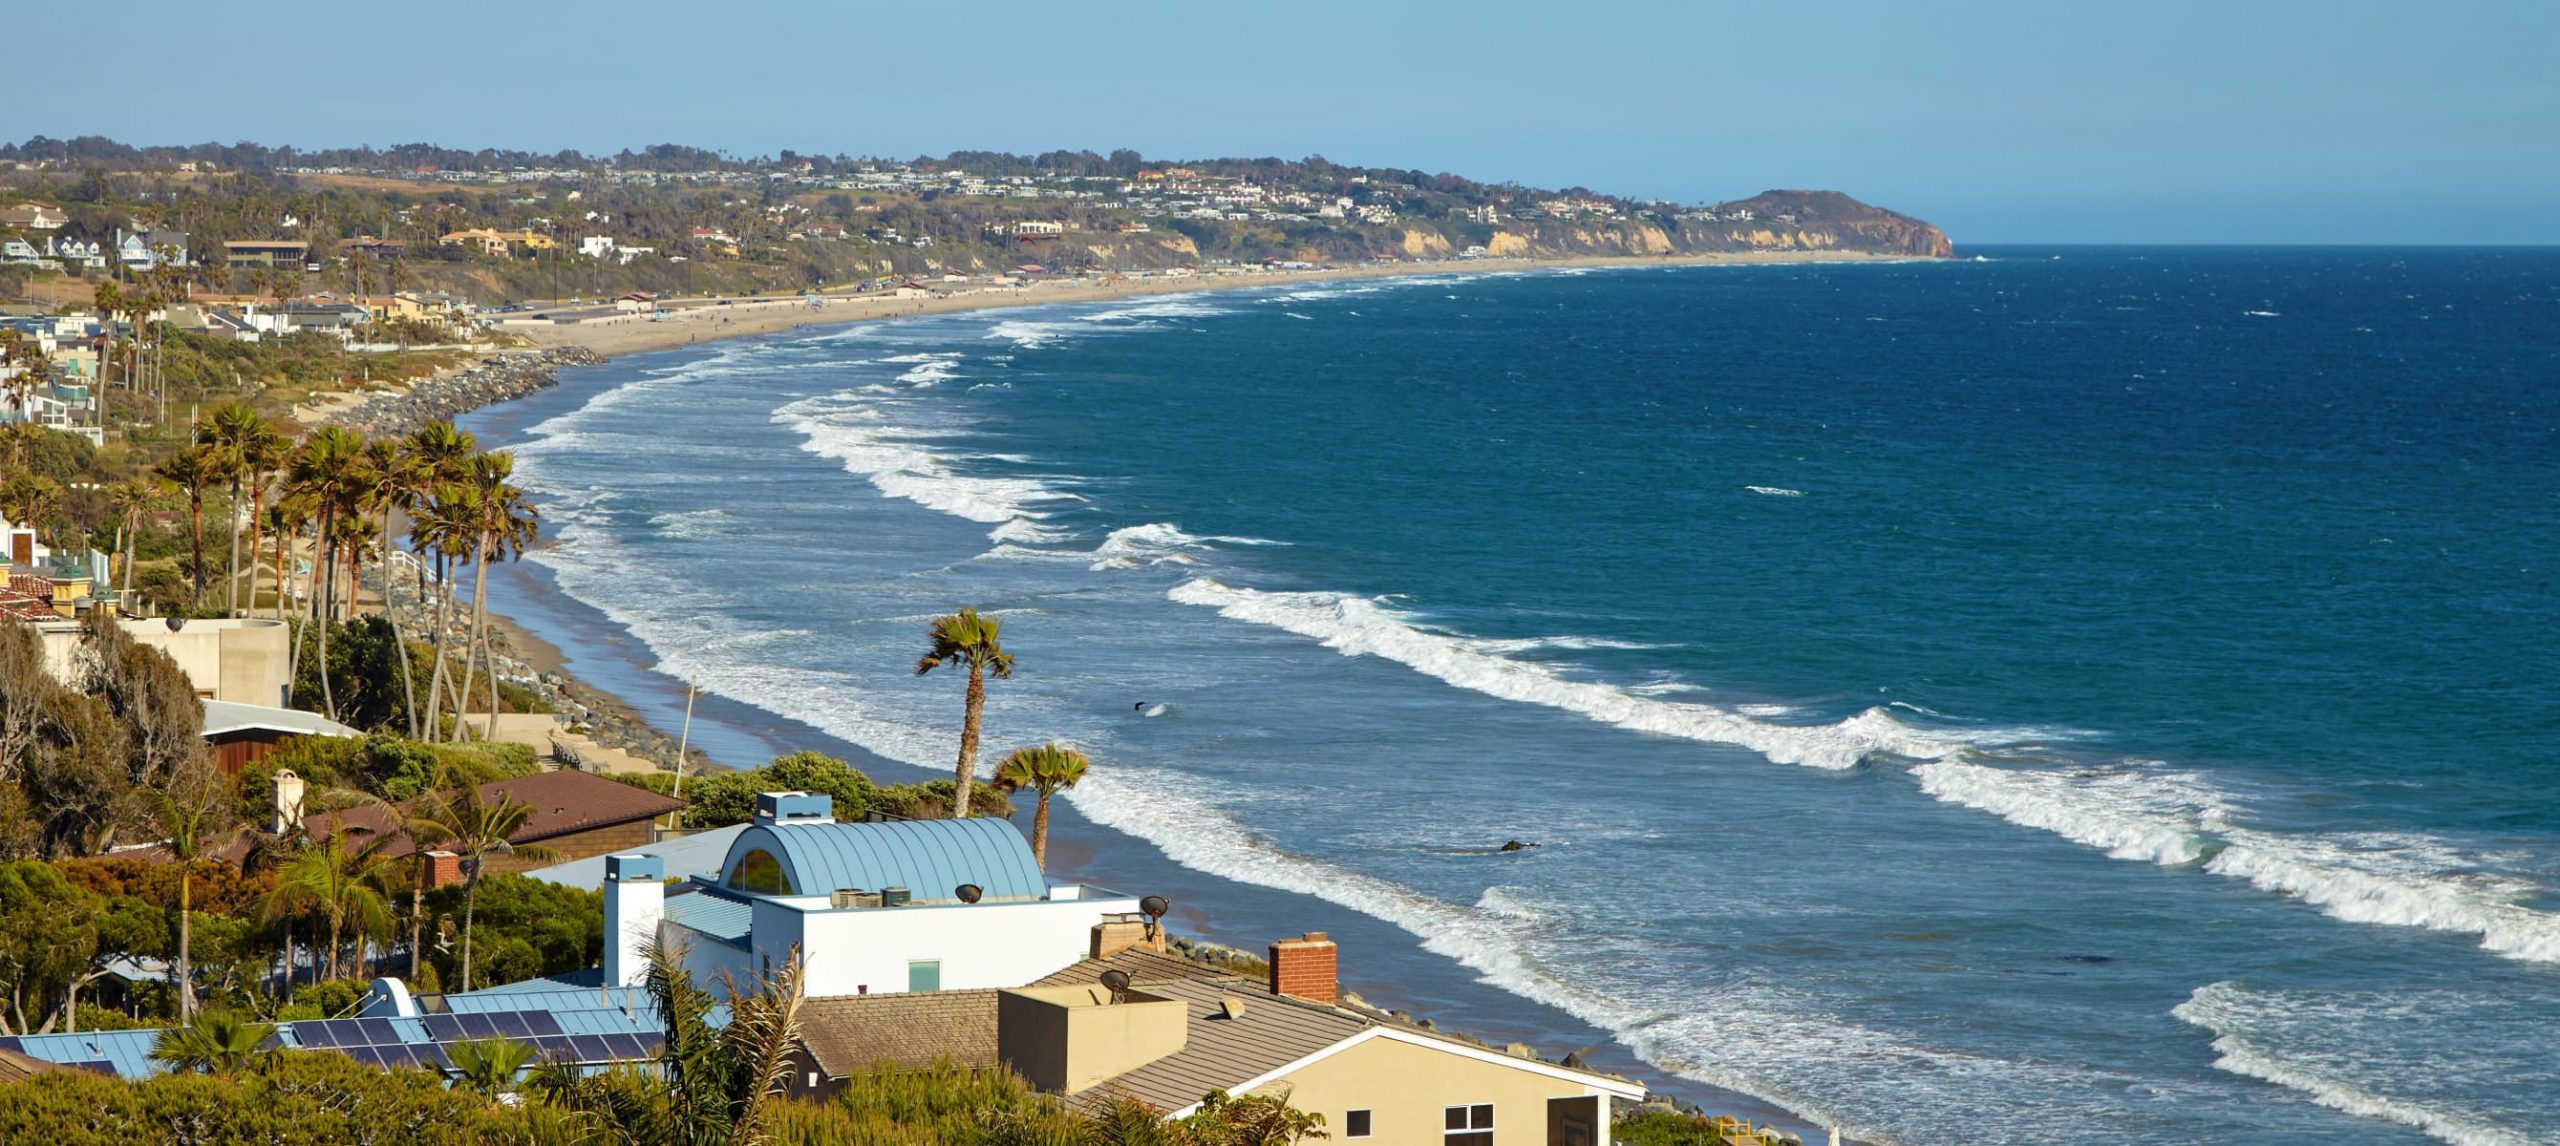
759,872
1468,1125
1355,1124
924,975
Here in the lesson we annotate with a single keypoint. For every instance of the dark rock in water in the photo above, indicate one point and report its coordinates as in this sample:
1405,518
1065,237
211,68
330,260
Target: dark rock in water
1515,846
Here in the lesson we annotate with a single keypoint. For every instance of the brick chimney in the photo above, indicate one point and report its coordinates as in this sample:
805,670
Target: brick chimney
1303,968
444,869
1118,933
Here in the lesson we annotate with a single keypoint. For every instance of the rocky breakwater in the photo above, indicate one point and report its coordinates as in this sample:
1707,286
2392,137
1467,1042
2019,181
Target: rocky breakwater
496,378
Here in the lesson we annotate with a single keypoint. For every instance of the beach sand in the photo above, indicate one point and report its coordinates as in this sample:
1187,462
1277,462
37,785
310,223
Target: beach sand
688,321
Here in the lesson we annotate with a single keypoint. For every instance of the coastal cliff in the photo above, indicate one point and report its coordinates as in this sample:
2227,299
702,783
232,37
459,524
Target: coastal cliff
1771,221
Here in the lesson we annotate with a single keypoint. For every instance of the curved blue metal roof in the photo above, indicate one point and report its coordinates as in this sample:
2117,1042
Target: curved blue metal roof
927,857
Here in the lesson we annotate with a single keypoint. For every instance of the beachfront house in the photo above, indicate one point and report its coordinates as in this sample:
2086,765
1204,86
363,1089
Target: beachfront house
1173,1030
925,905
266,253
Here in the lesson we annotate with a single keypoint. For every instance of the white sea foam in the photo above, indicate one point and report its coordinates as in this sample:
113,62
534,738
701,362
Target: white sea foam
1159,543
2157,815
903,468
1029,335
2280,1039
1774,491
694,525
1357,626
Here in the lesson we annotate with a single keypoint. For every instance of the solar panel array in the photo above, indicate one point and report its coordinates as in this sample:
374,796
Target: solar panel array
383,1042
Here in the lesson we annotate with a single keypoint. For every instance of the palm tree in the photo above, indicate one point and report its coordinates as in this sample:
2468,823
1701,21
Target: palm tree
110,302
246,446
130,499
966,638
336,879
475,827
1048,770
217,1042
392,484
192,471
716,1085
325,474
503,522
489,1066
191,824
439,456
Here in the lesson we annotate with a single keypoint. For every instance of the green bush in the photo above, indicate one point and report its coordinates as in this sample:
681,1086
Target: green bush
521,927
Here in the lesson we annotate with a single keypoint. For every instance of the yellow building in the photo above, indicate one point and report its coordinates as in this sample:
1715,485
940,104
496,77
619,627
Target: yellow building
500,243
1178,1030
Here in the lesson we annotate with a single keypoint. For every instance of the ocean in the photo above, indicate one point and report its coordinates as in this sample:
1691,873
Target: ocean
2091,695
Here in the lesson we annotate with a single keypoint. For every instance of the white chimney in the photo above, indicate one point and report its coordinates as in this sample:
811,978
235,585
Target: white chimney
288,804
635,901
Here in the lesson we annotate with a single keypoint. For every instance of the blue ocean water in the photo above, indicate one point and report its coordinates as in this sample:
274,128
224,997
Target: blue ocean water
2079,695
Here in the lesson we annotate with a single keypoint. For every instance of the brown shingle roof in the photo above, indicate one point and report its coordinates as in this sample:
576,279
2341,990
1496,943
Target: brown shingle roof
569,801
18,1067
1143,966
1223,1053
849,1033
563,802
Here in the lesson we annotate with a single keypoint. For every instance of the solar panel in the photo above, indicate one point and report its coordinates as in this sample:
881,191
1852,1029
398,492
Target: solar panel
313,1034
593,1048
510,1024
555,1048
371,1056
443,1028
431,1056
478,1027
377,1032
539,1023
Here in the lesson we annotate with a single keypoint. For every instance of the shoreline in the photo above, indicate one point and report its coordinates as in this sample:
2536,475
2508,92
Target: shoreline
694,321
614,686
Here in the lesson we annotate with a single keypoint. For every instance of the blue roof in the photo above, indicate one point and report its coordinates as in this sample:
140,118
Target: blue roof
127,1053
712,914
927,857
704,854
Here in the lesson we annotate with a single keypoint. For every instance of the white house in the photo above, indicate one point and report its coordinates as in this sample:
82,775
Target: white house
923,905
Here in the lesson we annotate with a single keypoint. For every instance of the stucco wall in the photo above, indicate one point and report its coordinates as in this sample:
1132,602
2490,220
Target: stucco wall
238,660
978,945
1405,1088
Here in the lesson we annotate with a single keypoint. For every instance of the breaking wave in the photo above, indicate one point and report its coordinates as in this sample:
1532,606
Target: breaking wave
901,467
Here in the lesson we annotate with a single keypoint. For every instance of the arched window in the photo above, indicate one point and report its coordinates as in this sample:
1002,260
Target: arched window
759,872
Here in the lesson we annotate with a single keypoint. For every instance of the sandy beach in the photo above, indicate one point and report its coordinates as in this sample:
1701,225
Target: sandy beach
688,321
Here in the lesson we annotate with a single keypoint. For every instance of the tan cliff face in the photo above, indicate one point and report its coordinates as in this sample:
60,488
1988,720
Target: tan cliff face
1505,244
1426,244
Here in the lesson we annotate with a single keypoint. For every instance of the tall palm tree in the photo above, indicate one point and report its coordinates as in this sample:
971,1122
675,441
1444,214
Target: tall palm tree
192,823
503,522
130,500
1048,770
245,445
325,473
439,457
392,485
474,827
193,471
217,1042
966,639
110,302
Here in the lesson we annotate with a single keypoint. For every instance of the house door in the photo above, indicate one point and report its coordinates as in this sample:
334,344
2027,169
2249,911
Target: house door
1573,1121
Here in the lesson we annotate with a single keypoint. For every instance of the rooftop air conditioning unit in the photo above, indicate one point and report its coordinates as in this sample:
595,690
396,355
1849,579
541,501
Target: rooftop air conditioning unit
852,897
894,897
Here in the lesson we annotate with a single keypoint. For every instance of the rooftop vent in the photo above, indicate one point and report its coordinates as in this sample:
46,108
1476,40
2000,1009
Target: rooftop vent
795,808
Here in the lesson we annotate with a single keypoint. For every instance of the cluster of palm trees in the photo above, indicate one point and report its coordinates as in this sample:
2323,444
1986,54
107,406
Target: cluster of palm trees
341,496
133,303
346,883
970,639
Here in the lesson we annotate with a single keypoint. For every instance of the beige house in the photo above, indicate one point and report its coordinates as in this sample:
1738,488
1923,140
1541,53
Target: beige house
241,660
1180,1030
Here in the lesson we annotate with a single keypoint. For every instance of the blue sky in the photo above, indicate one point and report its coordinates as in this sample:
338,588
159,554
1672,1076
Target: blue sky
2242,121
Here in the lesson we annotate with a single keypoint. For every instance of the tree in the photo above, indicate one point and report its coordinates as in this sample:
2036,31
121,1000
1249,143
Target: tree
25,684
715,1086
192,821
48,932
146,690
217,1042
192,471
466,822
1048,770
243,447
439,457
489,1066
503,522
130,500
966,639
336,879
392,485
325,474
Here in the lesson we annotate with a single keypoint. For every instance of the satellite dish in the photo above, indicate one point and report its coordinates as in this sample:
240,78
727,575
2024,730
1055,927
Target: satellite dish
968,892
1117,982
1155,906
176,623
